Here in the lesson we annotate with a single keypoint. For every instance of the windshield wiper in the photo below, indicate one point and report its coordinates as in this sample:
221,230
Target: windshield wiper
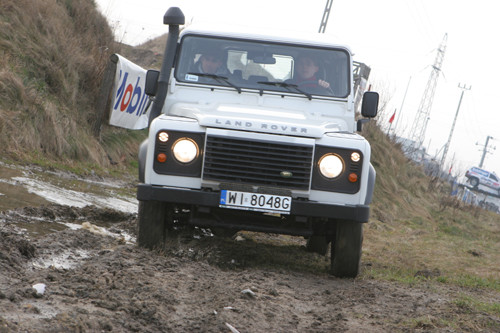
218,78
287,86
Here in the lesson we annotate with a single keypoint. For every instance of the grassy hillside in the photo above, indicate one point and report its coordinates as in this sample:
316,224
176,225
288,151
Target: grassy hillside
418,231
52,57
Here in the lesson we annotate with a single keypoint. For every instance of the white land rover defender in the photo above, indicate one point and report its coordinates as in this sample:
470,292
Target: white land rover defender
243,144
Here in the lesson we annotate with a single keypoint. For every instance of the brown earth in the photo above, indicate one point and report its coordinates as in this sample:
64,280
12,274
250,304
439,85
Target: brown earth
201,283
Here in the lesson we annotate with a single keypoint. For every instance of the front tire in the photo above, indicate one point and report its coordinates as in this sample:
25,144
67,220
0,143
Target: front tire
154,220
317,244
346,249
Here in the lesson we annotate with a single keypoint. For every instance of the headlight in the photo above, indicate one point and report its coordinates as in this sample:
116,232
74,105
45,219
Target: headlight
331,165
185,150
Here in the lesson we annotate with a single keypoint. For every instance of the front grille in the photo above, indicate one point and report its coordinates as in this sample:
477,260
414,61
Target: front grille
237,160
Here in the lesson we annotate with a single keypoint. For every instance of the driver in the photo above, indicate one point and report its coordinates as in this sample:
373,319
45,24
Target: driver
211,62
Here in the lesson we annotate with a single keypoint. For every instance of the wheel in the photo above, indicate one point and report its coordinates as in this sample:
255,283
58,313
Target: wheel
154,220
474,182
317,244
346,249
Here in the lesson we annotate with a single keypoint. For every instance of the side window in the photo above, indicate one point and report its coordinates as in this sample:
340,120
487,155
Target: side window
492,176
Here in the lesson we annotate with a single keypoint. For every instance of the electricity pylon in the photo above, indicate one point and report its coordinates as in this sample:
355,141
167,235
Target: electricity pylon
326,14
422,118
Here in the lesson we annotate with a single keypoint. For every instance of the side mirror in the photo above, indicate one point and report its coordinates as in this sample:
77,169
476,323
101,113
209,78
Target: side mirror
369,107
151,82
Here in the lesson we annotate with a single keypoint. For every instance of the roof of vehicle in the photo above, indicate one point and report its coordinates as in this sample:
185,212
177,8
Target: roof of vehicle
276,35
481,170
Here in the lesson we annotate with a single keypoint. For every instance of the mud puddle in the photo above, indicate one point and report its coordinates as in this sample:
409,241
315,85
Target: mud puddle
20,187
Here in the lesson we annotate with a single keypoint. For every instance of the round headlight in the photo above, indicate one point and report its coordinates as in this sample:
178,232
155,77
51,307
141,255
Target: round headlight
331,165
185,150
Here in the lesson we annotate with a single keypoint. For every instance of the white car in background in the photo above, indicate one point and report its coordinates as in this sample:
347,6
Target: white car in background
477,176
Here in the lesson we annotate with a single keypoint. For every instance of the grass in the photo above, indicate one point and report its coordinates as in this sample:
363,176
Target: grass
52,56
418,234
469,303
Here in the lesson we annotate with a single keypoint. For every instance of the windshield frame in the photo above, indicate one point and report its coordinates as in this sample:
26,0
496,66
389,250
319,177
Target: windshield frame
336,65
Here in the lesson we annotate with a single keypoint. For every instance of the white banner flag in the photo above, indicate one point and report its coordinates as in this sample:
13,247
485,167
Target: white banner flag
129,101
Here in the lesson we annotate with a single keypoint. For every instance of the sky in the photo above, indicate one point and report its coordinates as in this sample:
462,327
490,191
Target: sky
398,39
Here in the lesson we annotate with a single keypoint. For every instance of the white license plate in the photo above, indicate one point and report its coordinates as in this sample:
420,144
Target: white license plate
269,203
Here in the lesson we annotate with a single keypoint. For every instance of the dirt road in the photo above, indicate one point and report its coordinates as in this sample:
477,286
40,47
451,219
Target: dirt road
70,269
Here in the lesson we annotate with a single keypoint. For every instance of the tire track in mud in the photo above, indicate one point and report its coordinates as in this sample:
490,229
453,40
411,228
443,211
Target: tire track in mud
190,287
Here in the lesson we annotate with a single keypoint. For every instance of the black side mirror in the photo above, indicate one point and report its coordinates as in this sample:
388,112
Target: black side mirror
369,107
151,82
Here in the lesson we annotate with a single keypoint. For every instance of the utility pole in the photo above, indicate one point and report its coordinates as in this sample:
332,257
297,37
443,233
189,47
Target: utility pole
447,146
485,150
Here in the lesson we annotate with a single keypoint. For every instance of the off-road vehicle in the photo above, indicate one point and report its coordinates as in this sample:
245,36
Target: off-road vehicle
245,147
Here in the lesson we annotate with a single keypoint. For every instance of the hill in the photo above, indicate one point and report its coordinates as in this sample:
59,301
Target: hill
52,57
147,55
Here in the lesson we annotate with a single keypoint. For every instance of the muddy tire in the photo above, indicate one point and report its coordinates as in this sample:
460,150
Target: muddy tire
153,224
317,244
346,249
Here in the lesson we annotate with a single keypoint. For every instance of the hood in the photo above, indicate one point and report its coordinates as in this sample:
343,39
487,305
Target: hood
259,119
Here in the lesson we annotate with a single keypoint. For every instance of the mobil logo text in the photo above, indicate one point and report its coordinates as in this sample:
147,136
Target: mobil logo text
130,95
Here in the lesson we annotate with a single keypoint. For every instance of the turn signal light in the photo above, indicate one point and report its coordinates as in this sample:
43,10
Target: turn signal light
162,158
353,177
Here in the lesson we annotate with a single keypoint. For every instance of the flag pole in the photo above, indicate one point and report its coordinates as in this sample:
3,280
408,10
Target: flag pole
391,120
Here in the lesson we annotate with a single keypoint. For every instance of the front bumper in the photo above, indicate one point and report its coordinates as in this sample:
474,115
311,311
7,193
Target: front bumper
356,213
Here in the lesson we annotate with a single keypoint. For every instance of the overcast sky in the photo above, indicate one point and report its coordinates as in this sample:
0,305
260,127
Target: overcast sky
398,39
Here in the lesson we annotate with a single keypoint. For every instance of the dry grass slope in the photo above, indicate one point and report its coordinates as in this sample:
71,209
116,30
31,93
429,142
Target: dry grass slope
418,231
52,57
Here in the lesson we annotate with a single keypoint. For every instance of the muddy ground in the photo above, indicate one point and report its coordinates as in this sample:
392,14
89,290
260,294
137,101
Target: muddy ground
92,277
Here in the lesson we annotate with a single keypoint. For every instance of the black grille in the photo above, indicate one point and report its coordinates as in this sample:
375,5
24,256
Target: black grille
238,160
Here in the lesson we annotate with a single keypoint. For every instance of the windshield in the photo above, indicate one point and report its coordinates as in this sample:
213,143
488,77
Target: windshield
263,66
